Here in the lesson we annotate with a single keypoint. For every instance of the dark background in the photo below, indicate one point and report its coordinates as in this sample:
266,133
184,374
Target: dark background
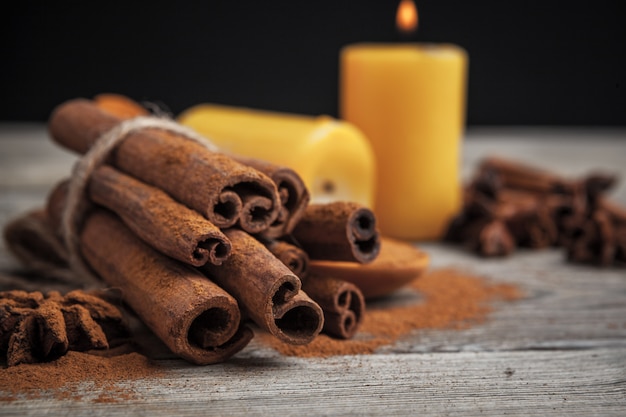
531,62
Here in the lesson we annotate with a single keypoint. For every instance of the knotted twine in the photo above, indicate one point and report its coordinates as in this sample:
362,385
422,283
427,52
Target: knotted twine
76,202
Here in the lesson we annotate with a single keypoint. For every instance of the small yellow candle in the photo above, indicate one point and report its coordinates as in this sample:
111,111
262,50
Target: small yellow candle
332,157
409,100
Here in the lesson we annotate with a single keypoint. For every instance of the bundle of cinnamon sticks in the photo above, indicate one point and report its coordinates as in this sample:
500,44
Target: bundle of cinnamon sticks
508,204
200,243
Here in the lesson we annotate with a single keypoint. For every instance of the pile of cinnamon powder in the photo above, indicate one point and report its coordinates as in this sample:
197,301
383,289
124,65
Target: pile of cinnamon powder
61,377
440,299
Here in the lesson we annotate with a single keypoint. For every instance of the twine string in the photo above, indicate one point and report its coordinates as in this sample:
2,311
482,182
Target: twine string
76,203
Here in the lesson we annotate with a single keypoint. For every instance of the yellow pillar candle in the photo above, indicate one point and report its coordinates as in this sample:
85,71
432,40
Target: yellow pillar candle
409,101
333,158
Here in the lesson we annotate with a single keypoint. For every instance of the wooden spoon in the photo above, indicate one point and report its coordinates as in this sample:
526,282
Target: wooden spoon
397,264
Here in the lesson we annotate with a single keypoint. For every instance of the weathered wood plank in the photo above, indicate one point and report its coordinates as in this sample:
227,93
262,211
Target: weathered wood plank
565,306
574,383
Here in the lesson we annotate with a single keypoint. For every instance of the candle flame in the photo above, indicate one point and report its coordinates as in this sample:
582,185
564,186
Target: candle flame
406,17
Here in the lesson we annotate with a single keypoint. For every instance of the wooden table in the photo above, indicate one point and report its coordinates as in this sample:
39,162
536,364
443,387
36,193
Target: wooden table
559,351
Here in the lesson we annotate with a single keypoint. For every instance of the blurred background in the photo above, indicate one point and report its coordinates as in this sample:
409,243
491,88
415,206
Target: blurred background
531,63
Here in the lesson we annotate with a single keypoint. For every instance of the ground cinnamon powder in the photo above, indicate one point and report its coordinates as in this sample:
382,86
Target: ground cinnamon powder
108,376
440,299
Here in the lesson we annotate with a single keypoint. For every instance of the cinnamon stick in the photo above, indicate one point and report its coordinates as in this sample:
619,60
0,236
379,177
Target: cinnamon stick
494,224
594,241
509,203
567,200
486,236
194,317
616,212
342,302
267,291
600,238
168,226
513,174
32,240
292,256
293,193
294,196
340,231
120,105
222,190
398,264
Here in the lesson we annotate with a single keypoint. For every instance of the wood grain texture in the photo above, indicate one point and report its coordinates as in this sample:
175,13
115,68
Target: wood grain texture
574,383
561,350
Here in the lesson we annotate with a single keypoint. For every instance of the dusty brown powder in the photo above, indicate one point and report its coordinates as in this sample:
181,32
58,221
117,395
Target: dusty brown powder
105,377
440,299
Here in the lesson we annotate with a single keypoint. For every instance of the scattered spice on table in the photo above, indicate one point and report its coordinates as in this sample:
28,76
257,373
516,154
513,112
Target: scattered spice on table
108,376
440,299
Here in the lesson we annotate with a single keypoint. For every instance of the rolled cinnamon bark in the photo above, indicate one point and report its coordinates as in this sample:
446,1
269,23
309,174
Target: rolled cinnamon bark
486,236
398,264
294,196
494,225
195,318
513,174
600,238
342,302
594,241
339,231
33,241
504,173
510,203
616,213
219,188
120,105
32,238
166,225
292,256
267,291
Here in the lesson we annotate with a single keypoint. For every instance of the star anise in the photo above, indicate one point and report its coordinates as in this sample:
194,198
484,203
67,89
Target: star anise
36,328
